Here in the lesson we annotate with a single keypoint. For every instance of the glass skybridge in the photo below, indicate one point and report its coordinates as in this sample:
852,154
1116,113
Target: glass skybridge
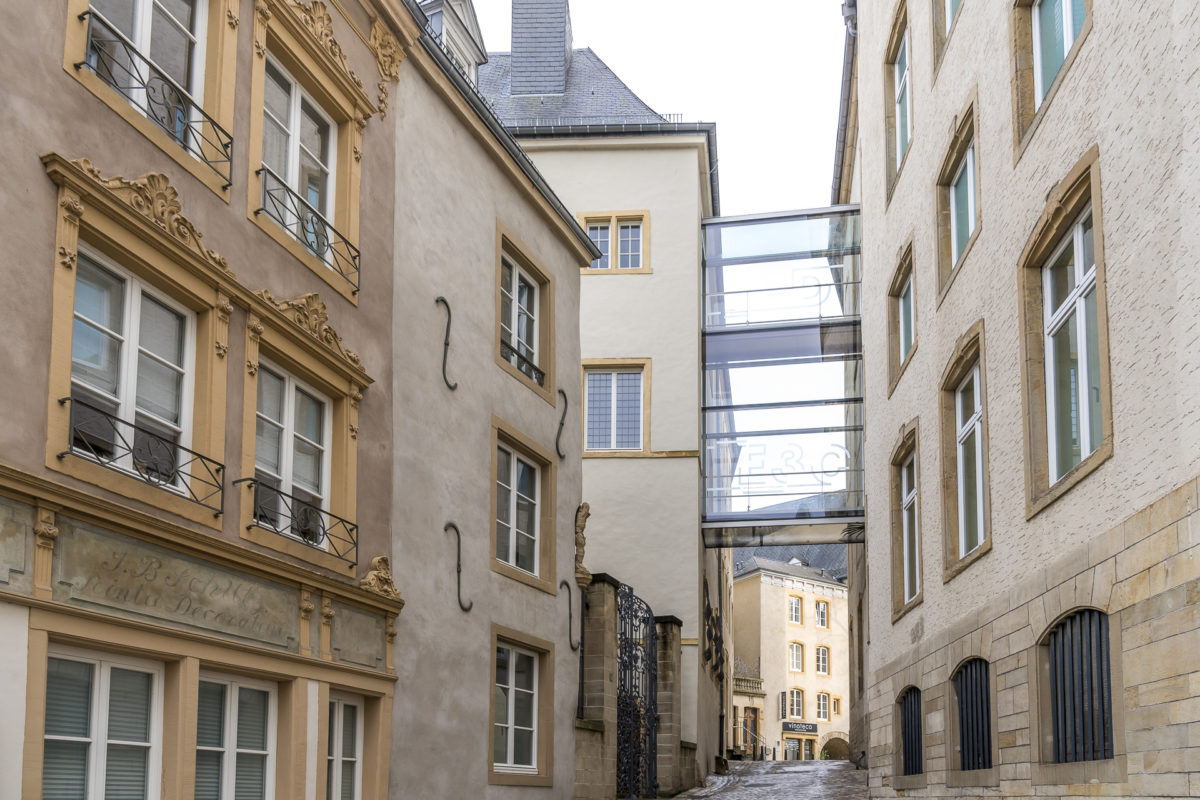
783,411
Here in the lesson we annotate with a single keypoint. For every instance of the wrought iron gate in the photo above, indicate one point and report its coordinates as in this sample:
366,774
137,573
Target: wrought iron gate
637,697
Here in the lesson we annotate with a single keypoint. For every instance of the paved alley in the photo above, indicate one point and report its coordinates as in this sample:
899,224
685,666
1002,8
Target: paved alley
785,780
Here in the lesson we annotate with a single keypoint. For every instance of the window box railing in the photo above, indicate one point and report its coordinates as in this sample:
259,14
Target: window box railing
296,519
116,61
521,362
100,436
746,685
307,225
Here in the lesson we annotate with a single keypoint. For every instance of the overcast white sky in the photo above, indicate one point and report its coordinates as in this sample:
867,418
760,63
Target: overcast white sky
768,72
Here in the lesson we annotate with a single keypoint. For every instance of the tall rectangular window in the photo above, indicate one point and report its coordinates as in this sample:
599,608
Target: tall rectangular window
822,614
235,741
343,760
904,303
517,490
1056,24
962,204
903,99
630,245
132,353
292,434
103,729
599,233
822,660
514,727
974,715
1073,390
951,12
908,517
911,751
519,319
822,707
614,409
795,703
795,609
795,657
968,415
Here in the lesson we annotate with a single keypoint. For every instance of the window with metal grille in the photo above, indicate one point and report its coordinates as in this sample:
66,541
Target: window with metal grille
1080,688
974,715
910,731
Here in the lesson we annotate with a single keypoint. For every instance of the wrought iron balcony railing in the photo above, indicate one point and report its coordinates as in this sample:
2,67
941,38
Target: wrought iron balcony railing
116,61
294,214
521,362
293,517
100,436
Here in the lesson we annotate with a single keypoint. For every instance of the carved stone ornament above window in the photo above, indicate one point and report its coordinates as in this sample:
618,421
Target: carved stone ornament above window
388,55
308,312
320,23
153,196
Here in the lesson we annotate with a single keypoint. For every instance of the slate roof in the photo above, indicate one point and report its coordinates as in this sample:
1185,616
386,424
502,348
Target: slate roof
594,95
828,557
795,570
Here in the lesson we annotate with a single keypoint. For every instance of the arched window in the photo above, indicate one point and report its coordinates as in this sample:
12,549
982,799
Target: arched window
974,715
910,731
1080,688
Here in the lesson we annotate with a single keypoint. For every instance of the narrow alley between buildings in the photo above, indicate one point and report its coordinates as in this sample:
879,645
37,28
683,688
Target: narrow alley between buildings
790,780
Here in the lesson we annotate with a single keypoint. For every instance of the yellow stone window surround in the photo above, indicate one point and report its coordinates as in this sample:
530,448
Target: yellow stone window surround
300,38
509,248
614,220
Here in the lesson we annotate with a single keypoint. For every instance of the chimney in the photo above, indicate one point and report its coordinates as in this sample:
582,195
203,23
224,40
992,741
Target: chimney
541,46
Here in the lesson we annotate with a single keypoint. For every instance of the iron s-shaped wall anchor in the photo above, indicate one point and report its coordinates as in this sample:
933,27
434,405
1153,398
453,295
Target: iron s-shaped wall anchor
562,421
458,567
570,613
446,343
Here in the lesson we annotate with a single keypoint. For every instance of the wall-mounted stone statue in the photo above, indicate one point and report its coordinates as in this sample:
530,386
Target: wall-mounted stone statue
582,576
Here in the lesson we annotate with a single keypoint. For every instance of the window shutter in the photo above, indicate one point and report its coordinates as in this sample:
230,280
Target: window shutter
782,705
251,770
349,750
68,703
126,773
210,732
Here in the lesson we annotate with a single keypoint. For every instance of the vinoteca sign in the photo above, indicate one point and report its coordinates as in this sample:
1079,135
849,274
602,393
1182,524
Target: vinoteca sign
150,581
799,727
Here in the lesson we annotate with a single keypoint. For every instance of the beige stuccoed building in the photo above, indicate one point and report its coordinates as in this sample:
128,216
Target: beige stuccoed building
1032,567
791,671
262,274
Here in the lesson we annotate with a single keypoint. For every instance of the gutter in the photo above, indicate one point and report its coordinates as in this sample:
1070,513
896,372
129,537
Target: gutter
493,123
709,129
848,57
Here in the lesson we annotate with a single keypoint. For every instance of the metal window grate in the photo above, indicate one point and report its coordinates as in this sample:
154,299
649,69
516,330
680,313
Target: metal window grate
1081,688
974,715
910,731
116,61
521,362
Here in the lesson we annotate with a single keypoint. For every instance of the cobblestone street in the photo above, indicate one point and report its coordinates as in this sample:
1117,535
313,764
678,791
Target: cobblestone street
785,780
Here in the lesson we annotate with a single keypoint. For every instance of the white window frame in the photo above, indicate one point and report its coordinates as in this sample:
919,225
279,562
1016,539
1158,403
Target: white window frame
795,657
513,650
622,227
1074,304
97,741
795,609
822,660
129,338
822,607
908,498
1040,86
964,428
229,748
605,260
338,701
296,97
286,458
795,703
510,558
901,82
531,349
957,248
905,311
951,13
640,372
836,709
822,707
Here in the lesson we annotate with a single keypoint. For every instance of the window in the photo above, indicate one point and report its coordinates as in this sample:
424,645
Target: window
951,7
908,495
343,772
962,204
795,657
131,374
809,750
624,230
614,409
822,660
837,706
1073,389
298,164
103,728
902,98
945,14
904,312
795,609
968,415
518,322
795,702
1056,25
902,318
822,614
291,457
1080,680
974,715
822,707
517,484
911,762
514,729
235,740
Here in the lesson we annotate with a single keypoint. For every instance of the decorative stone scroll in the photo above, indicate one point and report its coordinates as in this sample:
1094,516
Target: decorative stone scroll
388,55
153,196
379,579
319,22
308,313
